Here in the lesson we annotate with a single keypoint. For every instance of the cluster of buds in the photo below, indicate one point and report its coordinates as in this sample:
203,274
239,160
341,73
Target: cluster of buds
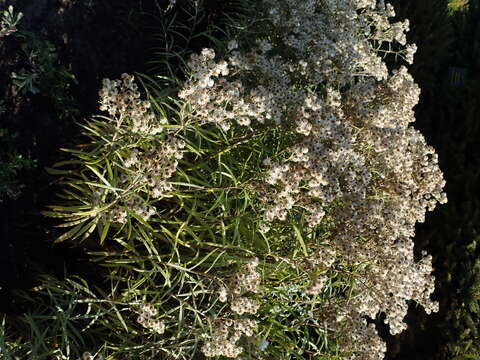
147,318
225,336
248,280
121,100
155,166
227,333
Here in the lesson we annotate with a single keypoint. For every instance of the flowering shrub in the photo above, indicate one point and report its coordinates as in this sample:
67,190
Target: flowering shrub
269,210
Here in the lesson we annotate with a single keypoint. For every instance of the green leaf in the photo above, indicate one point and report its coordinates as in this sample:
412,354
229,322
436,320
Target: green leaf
299,237
100,176
72,223
86,230
56,214
104,232
109,170
70,233
53,171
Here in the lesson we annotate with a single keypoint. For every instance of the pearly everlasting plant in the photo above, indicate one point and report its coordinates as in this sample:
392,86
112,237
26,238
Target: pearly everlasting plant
278,202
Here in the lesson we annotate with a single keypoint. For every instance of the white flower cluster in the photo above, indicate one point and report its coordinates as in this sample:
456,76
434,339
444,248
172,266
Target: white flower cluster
146,167
323,258
356,146
227,333
362,341
118,213
247,280
147,318
219,101
149,169
154,166
225,336
121,99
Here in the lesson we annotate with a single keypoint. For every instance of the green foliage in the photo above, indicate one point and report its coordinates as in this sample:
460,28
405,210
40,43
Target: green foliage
67,318
11,164
457,5
43,74
460,233
180,31
56,324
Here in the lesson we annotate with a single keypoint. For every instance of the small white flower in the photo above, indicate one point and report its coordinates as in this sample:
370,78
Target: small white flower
264,228
158,327
222,294
410,52
208,54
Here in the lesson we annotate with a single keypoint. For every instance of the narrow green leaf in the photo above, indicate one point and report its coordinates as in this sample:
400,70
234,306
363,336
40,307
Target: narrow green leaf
86,230
58,215
109,170
53,171
69,233
104,232
100,176
72,223
299,236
